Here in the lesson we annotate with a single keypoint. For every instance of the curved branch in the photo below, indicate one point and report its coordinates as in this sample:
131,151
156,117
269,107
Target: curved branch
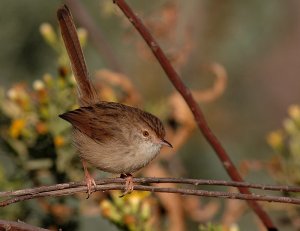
196,110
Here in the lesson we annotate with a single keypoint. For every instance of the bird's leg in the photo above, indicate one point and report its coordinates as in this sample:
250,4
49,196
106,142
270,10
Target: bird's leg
89,180
128,183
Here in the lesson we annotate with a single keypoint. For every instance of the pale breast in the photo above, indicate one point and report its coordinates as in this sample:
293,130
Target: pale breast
114,157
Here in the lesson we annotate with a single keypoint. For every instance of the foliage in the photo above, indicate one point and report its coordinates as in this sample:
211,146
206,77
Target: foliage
36,143
286,143
132,212
285,165
38,146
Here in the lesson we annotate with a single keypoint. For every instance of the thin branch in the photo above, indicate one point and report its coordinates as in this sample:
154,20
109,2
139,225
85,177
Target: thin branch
18,226
151,180
196,110
106,185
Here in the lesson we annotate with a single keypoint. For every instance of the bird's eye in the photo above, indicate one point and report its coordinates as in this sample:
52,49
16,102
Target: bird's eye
145,133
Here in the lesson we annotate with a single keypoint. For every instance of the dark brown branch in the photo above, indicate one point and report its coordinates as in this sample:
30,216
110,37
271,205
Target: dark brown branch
18,226
110,184
95,33
197,112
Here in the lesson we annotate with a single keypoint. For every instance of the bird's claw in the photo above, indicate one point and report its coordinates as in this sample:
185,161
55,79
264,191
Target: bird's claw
128,184
89,183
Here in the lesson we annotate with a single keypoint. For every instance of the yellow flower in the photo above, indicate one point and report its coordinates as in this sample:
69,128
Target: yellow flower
59,141
137,196
109,211
135,199
275,139
16,127
294,112
105,207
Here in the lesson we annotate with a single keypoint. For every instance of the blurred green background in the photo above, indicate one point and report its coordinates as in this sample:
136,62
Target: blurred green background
257,42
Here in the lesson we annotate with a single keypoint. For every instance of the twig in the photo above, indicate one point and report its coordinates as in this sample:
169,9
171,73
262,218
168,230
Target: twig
79,187
197,112
18,226
151,180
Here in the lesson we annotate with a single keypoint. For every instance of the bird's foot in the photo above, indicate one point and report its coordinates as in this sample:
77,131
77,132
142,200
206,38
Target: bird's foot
89,183
128,183
89,180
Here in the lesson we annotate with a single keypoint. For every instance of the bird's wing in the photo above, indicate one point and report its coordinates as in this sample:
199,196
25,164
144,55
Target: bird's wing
100,125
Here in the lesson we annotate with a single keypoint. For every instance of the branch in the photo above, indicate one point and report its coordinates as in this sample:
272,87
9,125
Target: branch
151,180
119,184
197,112
18,226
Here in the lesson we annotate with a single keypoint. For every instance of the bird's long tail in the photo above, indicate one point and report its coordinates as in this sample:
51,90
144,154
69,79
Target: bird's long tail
86,92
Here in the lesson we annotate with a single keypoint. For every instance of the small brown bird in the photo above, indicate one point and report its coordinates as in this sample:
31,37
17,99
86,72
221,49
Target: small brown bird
111,136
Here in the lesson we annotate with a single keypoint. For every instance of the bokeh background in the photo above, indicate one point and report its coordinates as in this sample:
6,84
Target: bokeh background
256,42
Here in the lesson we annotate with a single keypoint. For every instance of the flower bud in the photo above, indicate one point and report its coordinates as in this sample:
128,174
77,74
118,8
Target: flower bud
38,85
48,34
82,35
275,140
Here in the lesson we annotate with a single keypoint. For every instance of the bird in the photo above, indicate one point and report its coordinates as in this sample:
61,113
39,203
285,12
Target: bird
111,136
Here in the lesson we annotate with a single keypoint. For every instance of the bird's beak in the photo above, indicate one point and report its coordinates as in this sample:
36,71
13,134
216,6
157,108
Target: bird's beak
164,142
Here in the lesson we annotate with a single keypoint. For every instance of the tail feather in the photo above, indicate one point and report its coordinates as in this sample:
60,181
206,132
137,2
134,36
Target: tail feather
86,92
